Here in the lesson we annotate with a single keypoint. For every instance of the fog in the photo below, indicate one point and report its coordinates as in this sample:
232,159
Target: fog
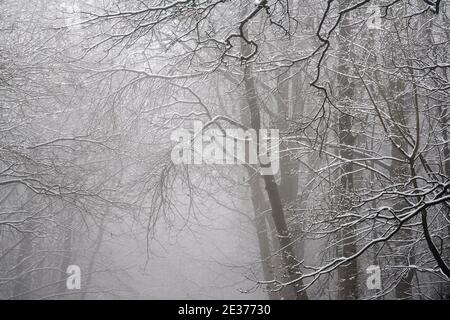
266,150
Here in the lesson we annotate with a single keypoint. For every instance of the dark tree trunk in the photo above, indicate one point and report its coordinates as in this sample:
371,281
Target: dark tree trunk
348,273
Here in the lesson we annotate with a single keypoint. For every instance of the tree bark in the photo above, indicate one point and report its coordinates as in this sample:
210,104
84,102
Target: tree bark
348,273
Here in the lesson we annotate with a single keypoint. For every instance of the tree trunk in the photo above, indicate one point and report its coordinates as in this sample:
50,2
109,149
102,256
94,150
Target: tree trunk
291,266
348,273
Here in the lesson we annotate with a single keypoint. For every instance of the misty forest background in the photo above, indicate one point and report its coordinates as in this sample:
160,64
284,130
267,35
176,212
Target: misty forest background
90,92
